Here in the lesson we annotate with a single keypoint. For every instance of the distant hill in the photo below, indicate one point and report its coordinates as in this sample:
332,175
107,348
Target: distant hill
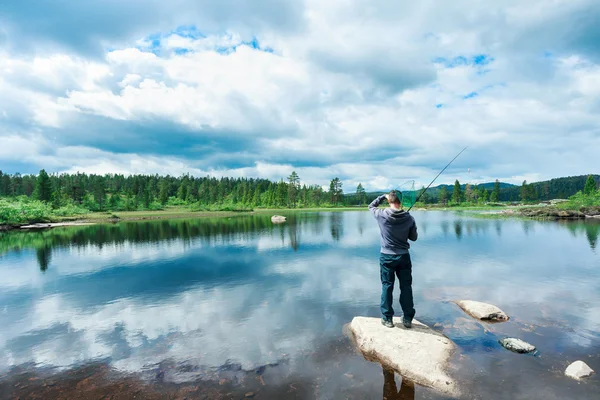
557,188
434,190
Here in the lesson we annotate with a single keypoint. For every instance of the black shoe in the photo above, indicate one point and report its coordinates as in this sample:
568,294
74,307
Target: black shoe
387,322
407,323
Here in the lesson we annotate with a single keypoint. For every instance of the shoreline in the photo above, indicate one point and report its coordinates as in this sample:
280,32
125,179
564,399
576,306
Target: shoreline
528,212
132,216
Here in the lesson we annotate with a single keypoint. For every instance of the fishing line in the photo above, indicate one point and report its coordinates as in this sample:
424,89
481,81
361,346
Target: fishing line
423,192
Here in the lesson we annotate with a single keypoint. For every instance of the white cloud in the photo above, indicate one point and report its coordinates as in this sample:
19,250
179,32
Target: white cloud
357,90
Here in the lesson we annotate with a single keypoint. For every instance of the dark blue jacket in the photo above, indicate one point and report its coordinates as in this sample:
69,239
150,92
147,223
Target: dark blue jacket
396,227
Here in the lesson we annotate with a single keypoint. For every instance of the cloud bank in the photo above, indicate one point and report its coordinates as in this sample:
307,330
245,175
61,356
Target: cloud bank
368,92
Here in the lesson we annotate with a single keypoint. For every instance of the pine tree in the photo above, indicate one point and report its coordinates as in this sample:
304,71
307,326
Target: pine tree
43,187
163,195
113,202
293,183
57,198
456,193
361,195
443,199
484,195
496,192
335,190
183,190
524,191
590,186
99,192
468,192
281,191
5,185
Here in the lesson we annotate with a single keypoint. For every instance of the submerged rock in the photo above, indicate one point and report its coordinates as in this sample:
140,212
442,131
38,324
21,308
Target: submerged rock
516,345
419,354
277,219
578,370
482,311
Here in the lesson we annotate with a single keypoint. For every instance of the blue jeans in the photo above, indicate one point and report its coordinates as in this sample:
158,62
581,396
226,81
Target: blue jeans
390,266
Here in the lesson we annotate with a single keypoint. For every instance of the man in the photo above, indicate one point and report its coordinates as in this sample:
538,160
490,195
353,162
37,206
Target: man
396,227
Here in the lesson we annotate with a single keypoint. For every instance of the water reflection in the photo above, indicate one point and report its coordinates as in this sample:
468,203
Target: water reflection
337,229
528,226
445,227
390,392
361,222
205,294
44,255
458,228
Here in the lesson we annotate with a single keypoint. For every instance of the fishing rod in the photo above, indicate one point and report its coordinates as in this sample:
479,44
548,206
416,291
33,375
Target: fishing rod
436,177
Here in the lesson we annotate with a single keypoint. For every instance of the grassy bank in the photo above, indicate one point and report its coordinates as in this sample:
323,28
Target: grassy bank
22,210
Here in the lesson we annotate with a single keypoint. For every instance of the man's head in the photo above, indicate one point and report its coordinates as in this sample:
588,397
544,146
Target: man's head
394,199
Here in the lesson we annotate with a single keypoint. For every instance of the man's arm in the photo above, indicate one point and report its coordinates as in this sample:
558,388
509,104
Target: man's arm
412,233
374,204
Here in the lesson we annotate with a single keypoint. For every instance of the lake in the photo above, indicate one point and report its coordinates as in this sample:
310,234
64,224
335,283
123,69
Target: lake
237,305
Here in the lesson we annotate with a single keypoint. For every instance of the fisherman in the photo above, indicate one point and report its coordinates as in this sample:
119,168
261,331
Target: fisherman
396,227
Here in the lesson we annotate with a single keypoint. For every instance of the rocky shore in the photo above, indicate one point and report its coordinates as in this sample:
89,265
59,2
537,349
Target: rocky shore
554,213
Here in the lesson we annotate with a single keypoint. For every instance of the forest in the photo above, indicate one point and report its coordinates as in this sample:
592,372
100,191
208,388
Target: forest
32,197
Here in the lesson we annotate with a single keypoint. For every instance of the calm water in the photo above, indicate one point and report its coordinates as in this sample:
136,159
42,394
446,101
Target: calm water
262,306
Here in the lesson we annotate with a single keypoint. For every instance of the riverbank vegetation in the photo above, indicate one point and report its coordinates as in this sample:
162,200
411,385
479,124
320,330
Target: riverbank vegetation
55,197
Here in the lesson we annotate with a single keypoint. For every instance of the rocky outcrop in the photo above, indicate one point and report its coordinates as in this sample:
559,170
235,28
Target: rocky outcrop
419,354
482,311
277,219
578,370
551,213
517,345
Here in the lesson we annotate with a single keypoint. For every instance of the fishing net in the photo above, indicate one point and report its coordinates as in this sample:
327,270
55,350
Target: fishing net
409,194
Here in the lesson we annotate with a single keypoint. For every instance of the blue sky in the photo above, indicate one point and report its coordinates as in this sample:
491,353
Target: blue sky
368,91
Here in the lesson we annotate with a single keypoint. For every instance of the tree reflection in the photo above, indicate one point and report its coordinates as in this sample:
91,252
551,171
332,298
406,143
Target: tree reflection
292,224
336,226
361,222
458,228
445,227
592,231
44,255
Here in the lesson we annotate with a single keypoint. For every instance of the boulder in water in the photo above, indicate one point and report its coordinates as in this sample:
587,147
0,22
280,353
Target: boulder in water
578,370
516,345
419,354
277,219
482,311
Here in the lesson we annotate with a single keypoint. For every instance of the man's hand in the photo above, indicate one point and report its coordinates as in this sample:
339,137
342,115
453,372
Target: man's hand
387,197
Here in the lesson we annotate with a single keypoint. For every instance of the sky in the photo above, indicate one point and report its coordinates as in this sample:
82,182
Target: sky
376,92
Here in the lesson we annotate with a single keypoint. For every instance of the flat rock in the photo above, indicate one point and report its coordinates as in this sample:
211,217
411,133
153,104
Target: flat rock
517,345
54,225
277,219
419,354
482,311
578,370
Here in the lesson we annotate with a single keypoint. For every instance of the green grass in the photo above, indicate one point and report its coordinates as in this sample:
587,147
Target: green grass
23,210
581,201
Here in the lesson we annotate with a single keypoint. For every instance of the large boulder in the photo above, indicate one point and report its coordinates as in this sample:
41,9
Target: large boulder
277,219
578,370
419,354
482,311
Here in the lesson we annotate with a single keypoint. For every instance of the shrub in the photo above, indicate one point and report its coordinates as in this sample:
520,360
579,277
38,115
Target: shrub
21,212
